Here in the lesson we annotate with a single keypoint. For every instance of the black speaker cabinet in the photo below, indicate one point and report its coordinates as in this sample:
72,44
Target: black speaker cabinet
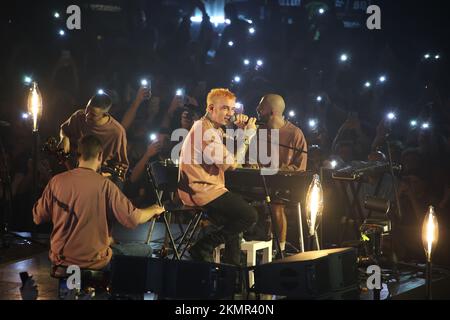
130,275
193,280
343,268
173,279
309,275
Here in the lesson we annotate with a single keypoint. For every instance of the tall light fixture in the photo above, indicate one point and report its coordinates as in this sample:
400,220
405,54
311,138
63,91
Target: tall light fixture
314,208
35,105
430,235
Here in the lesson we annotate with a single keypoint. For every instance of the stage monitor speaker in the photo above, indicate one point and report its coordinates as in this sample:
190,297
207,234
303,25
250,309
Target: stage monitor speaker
343,267
173,279
193,280
309,275
130,275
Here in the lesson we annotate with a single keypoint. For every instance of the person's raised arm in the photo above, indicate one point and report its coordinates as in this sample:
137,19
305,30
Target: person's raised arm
130,114
152,150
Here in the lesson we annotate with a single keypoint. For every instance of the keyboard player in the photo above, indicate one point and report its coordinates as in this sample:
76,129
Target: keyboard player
203,162
271,112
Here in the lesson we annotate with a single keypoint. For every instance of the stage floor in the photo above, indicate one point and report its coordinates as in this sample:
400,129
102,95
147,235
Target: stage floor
39,267
409,287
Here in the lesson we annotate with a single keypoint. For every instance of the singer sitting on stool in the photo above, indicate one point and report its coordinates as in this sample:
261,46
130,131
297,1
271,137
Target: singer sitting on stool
203,162
270,111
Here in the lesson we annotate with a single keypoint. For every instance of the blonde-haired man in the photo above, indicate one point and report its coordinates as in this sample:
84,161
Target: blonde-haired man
203,162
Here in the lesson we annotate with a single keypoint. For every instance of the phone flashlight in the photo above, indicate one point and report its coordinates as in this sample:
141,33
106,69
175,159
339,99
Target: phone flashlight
27,80
391,116
312,123
333,164
145,83
152,137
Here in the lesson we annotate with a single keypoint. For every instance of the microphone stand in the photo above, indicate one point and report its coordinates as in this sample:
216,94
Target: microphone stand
268,201
280,254
397,201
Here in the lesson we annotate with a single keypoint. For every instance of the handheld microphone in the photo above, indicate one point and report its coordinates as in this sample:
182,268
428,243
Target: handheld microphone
258,122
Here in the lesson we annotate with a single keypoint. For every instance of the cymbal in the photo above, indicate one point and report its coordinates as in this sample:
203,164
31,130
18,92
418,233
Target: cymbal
4,124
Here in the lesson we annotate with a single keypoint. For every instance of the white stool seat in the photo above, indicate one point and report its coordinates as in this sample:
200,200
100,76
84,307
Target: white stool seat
250,248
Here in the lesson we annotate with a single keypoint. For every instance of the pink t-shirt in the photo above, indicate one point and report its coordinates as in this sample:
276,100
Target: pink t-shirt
202,165
292,136
111,134
82,204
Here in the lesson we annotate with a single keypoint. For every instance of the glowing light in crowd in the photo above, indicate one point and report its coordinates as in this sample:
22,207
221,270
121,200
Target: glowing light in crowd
413,123
292,113
100,91
391,116
216,20
333,164
230,43
197,19
62,33
343,57
312,123
425,125
367,84
251,30
259,62
319,99
27,80
239,107
321,11
25,115
237,79
56,15
246,62
382,79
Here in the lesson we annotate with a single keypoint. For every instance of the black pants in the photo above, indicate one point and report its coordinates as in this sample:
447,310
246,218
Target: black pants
234,215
